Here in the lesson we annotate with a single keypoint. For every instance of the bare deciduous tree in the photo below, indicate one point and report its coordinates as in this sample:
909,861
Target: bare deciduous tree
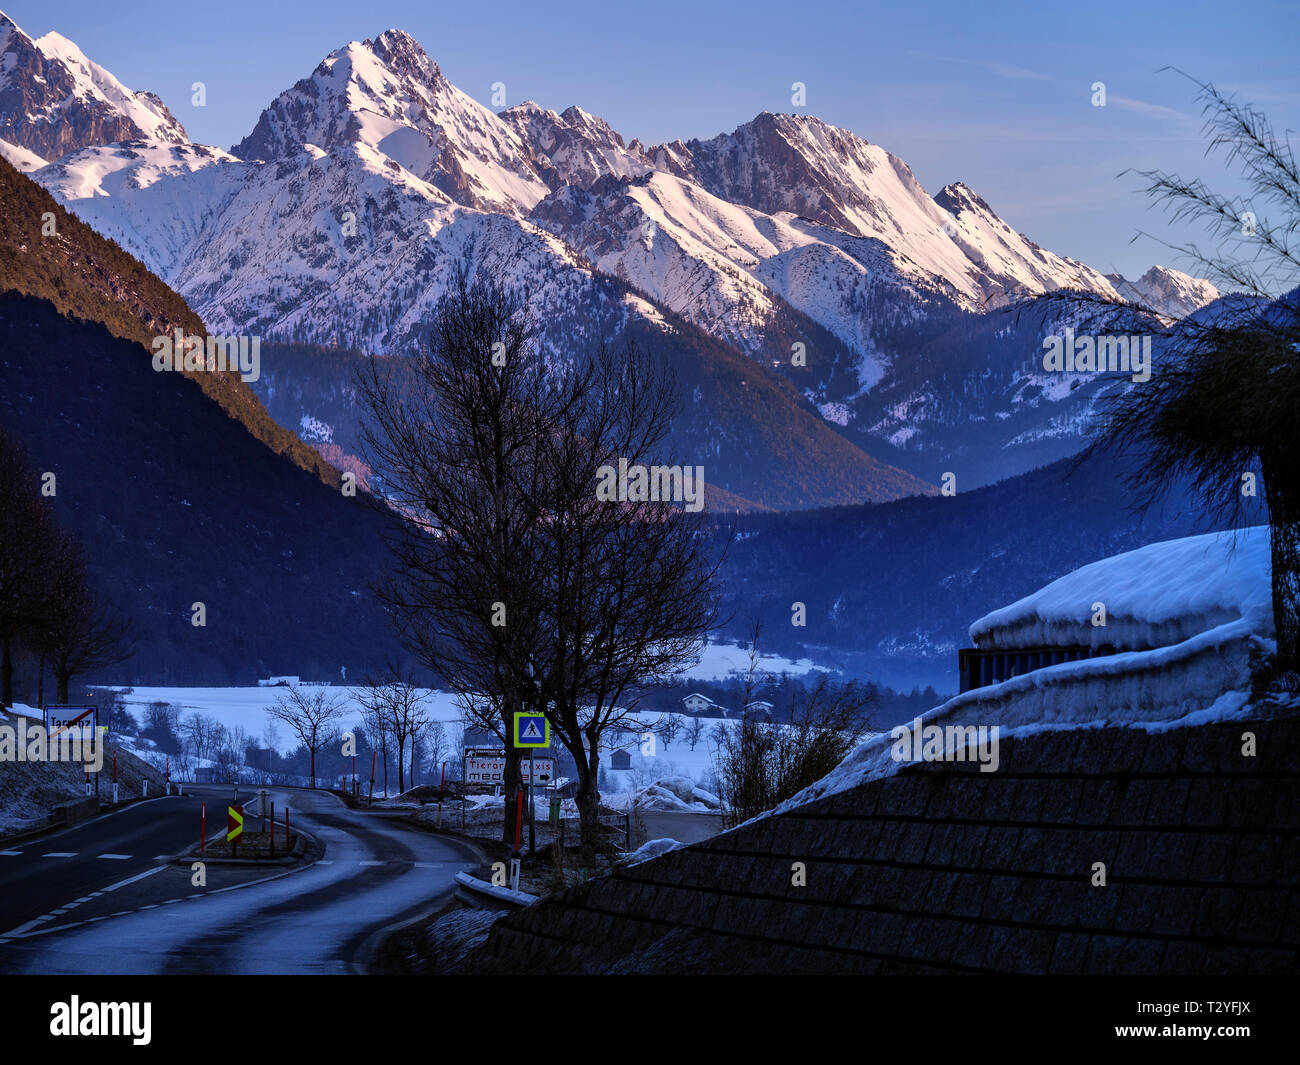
309,713
27,536
76,632
628,588
761,763
452,438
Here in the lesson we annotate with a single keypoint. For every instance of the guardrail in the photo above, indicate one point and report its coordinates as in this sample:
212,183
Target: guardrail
476,892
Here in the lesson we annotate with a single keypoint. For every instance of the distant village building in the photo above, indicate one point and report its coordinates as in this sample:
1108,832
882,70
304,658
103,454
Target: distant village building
760,707
703,706
620,760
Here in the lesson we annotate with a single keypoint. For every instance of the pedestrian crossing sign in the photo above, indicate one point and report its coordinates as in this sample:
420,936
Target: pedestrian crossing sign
532,730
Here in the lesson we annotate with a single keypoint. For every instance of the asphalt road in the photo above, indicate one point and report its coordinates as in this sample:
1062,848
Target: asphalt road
97,898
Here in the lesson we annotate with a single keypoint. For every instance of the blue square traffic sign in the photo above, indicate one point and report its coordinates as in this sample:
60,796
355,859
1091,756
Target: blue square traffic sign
532,730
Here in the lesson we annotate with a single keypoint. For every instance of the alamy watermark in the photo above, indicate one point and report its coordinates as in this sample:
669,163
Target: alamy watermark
77,1018
946,743
635,483
23,742
1068,353
213,353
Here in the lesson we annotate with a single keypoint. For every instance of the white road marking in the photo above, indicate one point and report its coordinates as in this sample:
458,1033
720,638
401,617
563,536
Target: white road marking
27,927
116,857
372,863
10,854
133,879
60,854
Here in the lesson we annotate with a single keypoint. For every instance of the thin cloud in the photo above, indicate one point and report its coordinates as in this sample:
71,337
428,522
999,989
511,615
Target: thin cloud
1014,73
1002,70
1141,107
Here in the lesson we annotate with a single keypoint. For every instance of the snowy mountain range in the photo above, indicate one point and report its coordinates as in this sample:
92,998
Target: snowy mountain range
53,100
360,191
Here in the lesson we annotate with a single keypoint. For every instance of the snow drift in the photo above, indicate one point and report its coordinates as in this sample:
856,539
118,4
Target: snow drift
1197,613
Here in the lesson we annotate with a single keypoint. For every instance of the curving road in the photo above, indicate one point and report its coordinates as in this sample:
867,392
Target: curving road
128,913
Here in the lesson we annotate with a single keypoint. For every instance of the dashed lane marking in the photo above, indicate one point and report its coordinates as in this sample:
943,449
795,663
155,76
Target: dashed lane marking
37,921
117,857
60,854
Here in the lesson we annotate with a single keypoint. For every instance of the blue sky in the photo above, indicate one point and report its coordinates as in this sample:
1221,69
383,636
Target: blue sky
997,96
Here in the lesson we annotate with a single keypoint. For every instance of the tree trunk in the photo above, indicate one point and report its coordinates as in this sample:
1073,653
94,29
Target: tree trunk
40,682
588,800
6,676
313,767
1283,500
63,680
385,765
1284,540
513,783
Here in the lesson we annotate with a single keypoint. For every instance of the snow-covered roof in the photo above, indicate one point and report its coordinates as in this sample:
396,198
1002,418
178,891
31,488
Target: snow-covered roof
1155,596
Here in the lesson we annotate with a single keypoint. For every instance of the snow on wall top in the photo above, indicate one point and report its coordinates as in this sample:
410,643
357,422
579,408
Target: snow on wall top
1155,596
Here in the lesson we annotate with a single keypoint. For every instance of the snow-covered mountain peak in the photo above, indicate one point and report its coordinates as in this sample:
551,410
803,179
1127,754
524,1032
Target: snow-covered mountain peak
402,53
1166,291
582,147
388,95
957,196
54,100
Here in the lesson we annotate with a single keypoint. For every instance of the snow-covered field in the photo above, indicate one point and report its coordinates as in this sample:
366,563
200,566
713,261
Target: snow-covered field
722,660
246,708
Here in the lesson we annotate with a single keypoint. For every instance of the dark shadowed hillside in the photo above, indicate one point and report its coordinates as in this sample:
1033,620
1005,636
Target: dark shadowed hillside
176,503
89,277
890,590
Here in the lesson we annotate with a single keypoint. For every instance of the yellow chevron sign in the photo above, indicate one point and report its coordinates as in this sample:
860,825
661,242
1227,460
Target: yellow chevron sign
234,822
